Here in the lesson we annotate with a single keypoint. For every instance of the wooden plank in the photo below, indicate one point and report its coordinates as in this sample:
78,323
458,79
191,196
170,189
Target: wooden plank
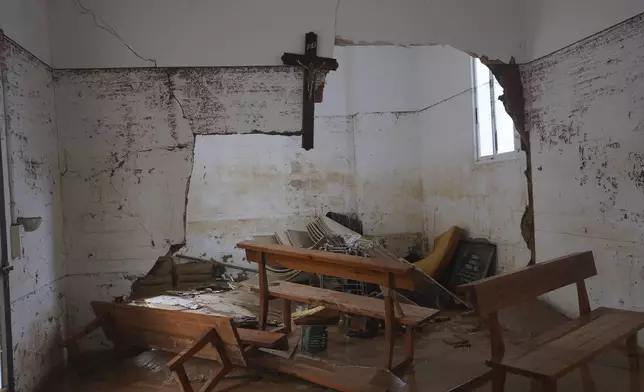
174,344
501,291
339,378
342,271
189,352
319,256
561,330
344,302
125,318
559,356
390,324
255,338
265,339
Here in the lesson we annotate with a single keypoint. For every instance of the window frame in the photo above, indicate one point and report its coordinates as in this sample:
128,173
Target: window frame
477,134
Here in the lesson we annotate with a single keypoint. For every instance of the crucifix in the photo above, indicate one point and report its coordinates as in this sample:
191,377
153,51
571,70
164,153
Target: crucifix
311,64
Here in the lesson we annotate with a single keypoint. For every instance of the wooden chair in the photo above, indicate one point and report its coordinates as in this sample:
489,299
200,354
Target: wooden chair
569,346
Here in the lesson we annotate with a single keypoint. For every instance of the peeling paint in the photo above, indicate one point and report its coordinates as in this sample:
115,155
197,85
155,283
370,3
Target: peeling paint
37,299
509,77
584,113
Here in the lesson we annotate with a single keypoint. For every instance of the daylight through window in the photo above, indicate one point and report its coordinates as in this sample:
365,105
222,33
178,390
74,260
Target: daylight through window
494,127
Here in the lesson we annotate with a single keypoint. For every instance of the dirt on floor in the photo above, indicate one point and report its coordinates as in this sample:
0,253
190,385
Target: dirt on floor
449,352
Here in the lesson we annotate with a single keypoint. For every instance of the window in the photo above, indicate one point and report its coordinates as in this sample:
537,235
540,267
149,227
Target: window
494,127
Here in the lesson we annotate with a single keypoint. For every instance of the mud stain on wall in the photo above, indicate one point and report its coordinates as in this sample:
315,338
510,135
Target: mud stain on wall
28,111
584,112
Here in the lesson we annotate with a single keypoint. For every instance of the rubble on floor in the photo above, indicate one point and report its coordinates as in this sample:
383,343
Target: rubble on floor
439,366
205,287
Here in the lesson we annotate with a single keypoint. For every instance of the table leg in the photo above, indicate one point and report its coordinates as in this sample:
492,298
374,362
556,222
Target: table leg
263,292
409,344
286,315
390,324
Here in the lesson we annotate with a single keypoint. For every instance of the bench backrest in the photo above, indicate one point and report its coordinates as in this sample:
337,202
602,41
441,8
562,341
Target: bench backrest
505,290
372,270
168,330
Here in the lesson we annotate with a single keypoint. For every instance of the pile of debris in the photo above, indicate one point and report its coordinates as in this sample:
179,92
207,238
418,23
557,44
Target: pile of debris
455,260
184,274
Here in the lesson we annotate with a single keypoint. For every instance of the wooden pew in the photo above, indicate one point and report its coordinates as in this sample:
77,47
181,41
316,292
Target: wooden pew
390,274
187,333
213,337
569,346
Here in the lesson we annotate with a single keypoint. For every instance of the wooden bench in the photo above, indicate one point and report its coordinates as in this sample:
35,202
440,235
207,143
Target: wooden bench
187,333
412,315
569,346
388,273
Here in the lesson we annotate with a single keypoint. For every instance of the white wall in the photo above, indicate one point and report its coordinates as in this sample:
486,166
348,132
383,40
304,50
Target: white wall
37,296
255,32
260,184
493,27
26,22
126,156
485,198
194,33
587,134
554,24
389,188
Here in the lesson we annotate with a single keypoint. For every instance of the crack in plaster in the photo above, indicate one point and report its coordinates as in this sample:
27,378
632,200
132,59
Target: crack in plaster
509,77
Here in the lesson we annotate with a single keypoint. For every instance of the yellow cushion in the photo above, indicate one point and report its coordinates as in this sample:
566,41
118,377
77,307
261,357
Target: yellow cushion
444,247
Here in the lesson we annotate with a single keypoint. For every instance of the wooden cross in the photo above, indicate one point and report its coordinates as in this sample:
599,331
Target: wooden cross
311,64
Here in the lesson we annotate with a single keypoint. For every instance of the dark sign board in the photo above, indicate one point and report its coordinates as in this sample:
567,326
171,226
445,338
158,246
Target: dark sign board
471,262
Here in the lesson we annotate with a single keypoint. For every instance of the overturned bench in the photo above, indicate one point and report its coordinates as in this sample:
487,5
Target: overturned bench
190,334
186,333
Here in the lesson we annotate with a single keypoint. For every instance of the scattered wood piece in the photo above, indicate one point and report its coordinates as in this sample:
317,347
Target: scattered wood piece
288,354
340,378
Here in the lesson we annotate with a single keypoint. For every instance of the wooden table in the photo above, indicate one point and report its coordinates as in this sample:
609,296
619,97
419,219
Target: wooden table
387,273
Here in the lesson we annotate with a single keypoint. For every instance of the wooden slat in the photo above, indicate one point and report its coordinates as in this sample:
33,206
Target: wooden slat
265,339
501,291
366,263
339,378
189,352
342,271
557,357
174,344
562,329
344,302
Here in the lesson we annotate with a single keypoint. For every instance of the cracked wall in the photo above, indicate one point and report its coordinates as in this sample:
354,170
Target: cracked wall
586,126
486,198
139,145
37,293
158,156
126,154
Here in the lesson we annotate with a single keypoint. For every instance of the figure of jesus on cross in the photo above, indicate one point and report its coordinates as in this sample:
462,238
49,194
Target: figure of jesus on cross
311,64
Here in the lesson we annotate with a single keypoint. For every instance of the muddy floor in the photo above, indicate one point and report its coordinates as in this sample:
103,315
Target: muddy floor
448,353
